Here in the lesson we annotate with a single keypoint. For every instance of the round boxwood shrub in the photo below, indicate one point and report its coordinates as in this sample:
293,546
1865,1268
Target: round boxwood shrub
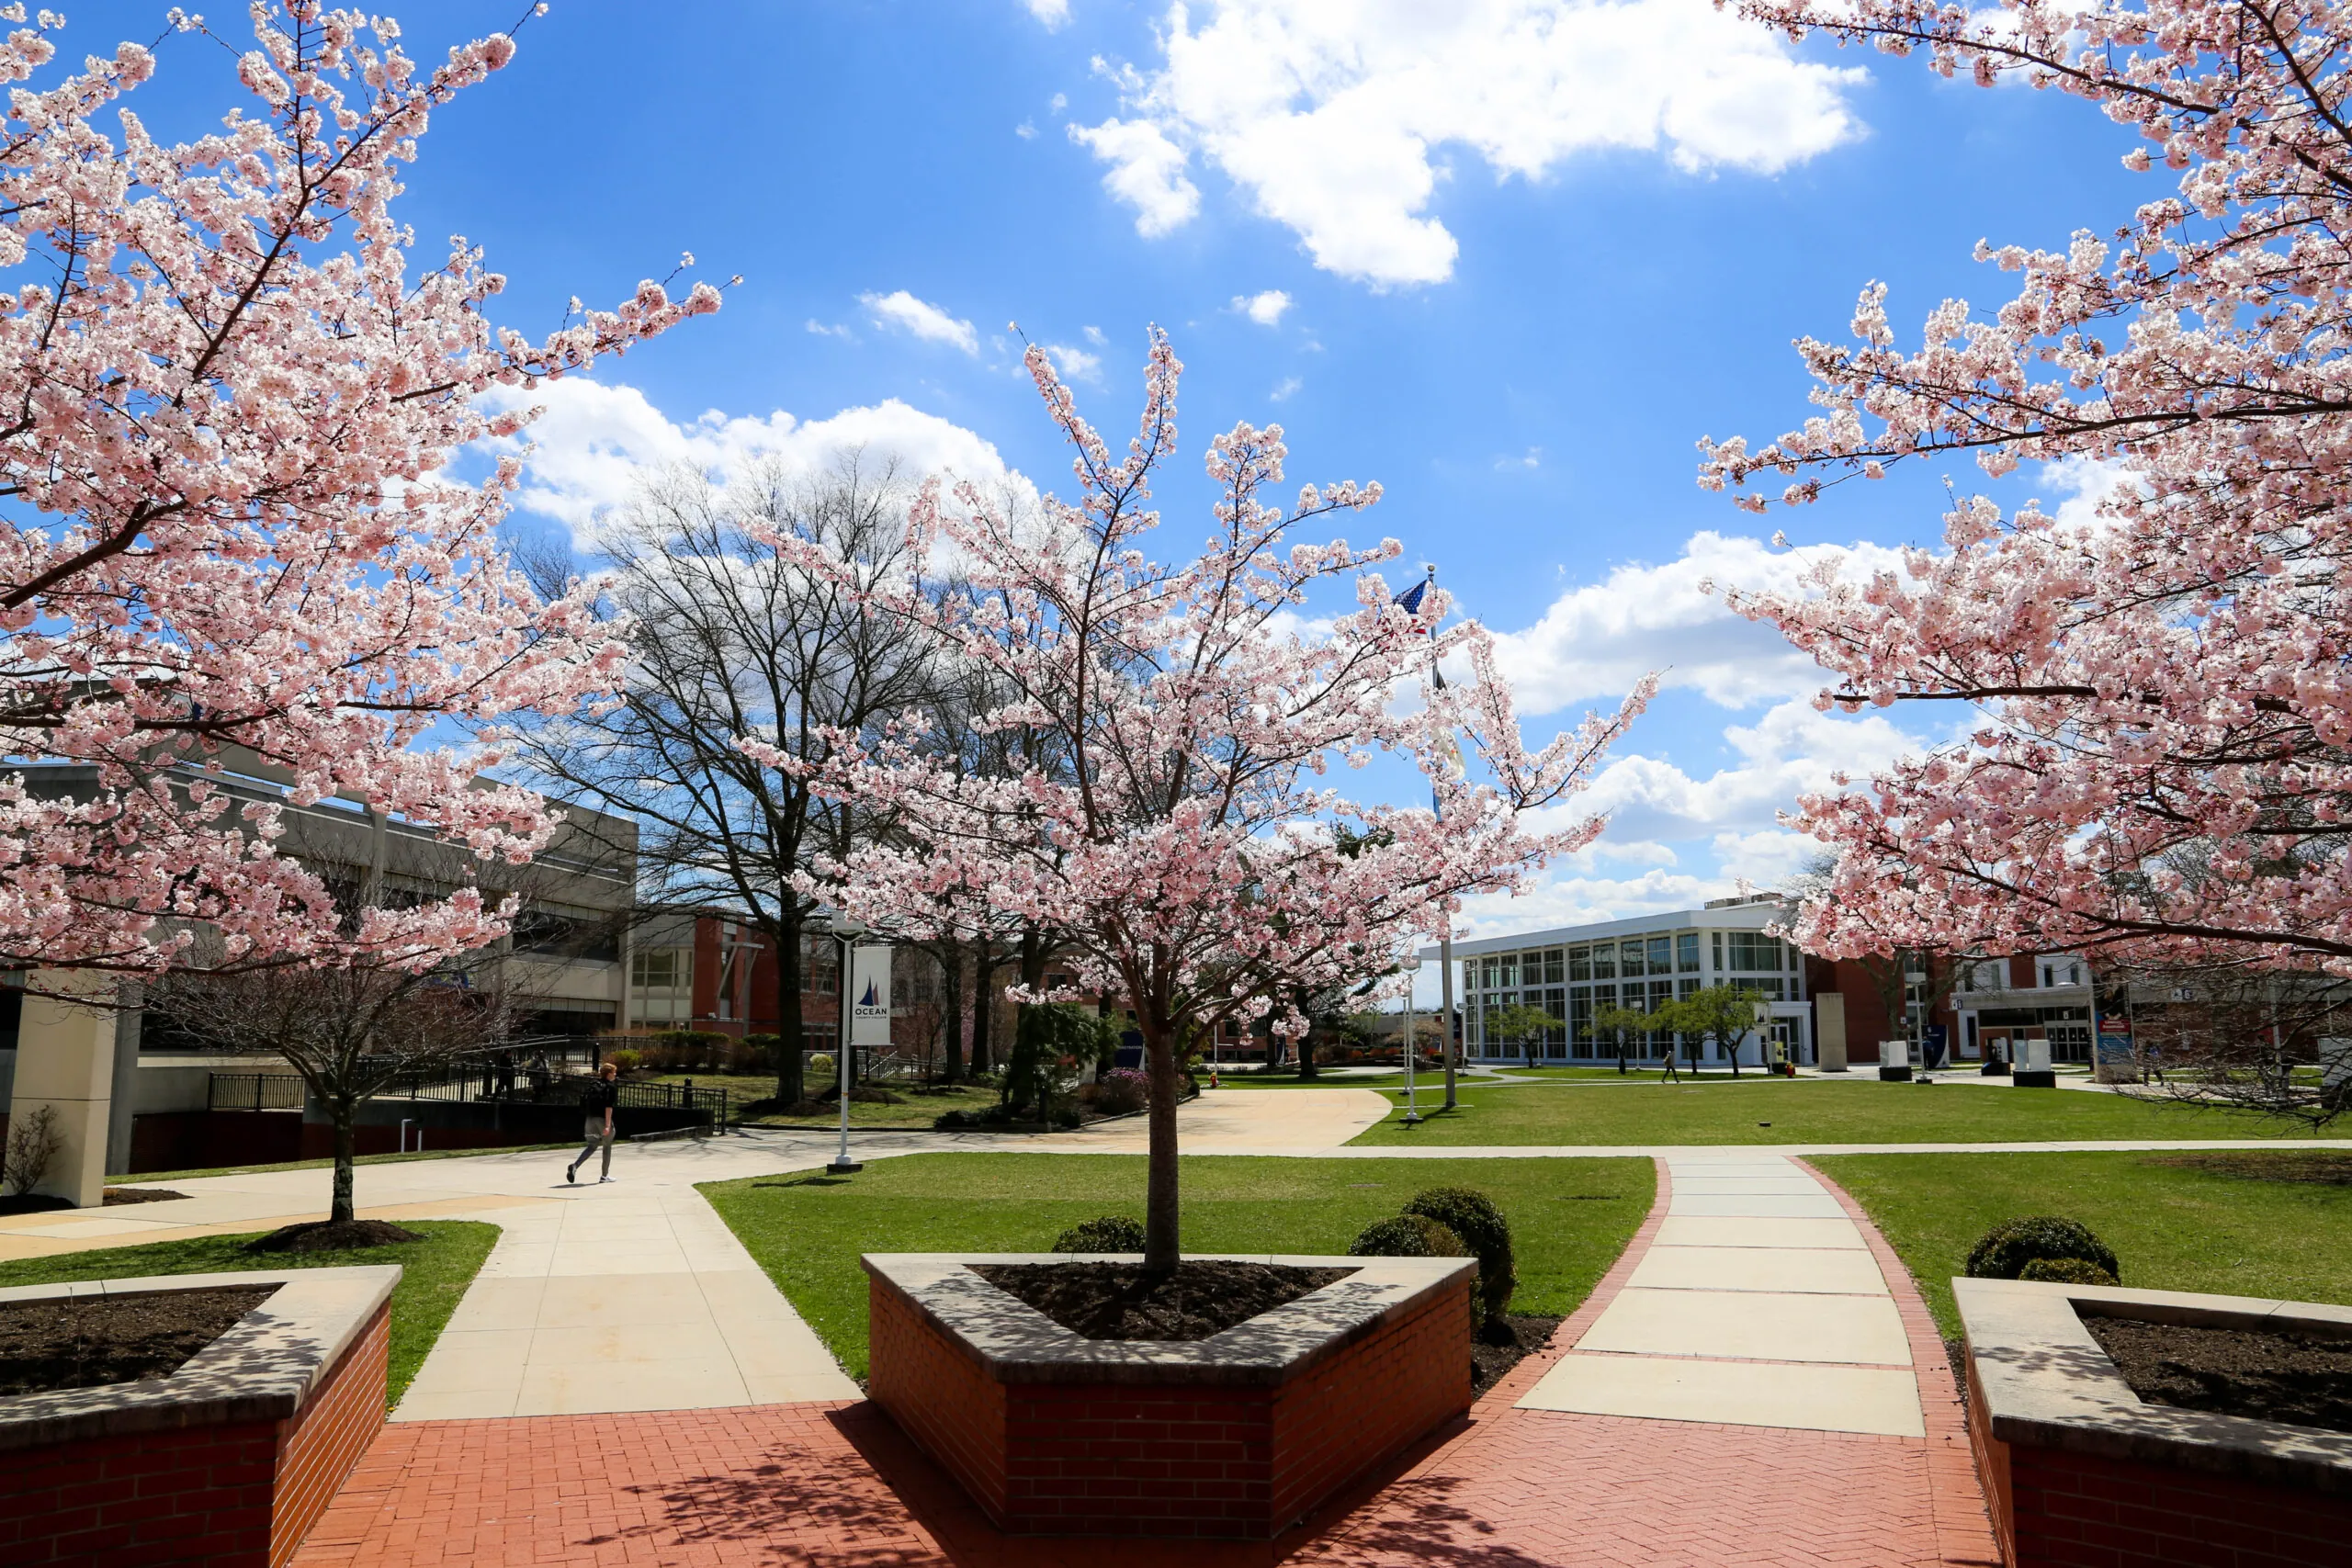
2065,1271
1407,1235
1471,1215
1111,1233
2008,1249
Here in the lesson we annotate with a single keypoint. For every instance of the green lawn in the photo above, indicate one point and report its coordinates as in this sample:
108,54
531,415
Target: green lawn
2174,1227
1327,1079
1808,1111
917,1108
1570,1217
435,1273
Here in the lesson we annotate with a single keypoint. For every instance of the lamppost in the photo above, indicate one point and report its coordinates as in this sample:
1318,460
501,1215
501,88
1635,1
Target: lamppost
846,929
1412,1109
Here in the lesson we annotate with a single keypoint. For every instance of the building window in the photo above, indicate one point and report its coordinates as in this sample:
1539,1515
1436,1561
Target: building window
1686,952
2061,971
1753,952
1661,954
1604,960
1629,958
1554,967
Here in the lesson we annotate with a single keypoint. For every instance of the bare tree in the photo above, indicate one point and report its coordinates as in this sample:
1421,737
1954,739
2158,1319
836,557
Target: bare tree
731,640
350,1031
2262,1039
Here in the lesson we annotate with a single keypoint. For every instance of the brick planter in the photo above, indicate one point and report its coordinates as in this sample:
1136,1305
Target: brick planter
226,1462
2078,1471
1239,1435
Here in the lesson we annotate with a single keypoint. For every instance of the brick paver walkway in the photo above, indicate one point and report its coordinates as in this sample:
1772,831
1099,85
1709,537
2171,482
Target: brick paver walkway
1509,1488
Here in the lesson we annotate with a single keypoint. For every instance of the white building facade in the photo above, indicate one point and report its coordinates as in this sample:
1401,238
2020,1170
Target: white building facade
1573,971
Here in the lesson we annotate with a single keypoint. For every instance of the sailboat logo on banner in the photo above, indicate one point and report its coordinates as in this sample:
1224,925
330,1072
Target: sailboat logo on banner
869,999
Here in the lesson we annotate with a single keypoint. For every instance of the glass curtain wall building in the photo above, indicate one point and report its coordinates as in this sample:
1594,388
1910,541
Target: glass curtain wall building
1574,973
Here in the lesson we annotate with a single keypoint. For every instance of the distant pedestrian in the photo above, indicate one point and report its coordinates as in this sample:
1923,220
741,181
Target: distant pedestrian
597,1102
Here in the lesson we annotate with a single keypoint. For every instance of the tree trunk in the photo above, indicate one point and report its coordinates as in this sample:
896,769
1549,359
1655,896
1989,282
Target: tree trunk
1159,1208
789,1084
951,981
981,969
1306,1054
344,1113
1733,1050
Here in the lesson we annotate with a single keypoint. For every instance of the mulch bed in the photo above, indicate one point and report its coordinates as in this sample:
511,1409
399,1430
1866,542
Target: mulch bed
37,1203
331,1236
2291,1377
91,1341
1503,1344
2320,1166
1119,1300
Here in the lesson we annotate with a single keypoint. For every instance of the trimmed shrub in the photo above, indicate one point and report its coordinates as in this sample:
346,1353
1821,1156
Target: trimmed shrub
2065,1271
1471,1215
1407,1235
2007,1248
1111,1233
625,1061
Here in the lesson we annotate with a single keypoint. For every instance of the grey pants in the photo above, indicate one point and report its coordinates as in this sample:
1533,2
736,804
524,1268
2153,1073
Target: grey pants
594,1138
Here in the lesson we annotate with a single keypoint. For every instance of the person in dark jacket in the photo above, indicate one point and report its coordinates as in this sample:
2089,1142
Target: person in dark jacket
596,1101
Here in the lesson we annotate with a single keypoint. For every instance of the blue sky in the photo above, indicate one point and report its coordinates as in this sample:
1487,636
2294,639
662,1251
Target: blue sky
1526,253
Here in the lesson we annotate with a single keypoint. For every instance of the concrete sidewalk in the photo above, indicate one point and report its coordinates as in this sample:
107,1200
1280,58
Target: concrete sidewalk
1757,1305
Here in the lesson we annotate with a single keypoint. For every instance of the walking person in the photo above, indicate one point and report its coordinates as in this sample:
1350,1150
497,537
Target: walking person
596,1101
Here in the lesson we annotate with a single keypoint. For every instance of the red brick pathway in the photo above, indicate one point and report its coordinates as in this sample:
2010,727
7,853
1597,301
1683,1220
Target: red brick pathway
837,1485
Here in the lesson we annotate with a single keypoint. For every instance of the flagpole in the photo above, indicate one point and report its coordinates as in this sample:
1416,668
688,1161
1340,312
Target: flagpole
1445,942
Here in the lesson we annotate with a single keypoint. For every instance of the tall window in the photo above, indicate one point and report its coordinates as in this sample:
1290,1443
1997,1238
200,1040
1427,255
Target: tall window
1686,952
1554,967
1661,954
1580,964
1629,957
1604,960
1753,952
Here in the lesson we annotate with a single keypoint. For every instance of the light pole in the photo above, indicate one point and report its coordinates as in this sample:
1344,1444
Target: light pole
1446,966
846,930
1412,1108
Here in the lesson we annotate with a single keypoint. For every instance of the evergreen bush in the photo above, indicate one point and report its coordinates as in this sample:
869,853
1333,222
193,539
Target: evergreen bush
2007,1248
1471,1215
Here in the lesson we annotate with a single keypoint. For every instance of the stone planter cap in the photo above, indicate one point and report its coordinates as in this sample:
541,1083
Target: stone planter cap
2046,1383
260,1369
1016,1343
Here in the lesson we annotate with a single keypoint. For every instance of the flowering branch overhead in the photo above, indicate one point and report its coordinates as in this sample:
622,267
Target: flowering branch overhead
2160,763
227,543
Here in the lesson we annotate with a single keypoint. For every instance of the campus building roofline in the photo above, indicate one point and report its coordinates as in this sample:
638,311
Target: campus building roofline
1752,915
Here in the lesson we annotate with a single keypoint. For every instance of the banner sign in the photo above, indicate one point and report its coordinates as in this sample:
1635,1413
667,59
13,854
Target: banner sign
2114,1038
870,995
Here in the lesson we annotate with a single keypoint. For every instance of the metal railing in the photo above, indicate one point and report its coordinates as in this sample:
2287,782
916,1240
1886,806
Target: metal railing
254,1091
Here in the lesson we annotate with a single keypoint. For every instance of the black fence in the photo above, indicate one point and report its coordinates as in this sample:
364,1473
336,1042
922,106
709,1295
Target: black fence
254,1091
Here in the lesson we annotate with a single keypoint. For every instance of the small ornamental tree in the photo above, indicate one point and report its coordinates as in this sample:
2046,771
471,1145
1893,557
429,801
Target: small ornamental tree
1725,1014
229,543
1523,1023
1183,840
2163,753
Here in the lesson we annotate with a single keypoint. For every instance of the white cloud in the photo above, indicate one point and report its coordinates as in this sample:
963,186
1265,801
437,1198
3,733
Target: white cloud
1597,639
1052,13
1531,459
1147,172
1284,388
821,330
1791,751
1094,335
1265,309
1329,114
921,318
1026,131
1766,860
1076,364
595,443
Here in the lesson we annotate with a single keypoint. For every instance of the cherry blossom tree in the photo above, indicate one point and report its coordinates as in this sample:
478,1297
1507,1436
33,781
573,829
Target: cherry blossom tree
1184,837
2159,760
229,543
